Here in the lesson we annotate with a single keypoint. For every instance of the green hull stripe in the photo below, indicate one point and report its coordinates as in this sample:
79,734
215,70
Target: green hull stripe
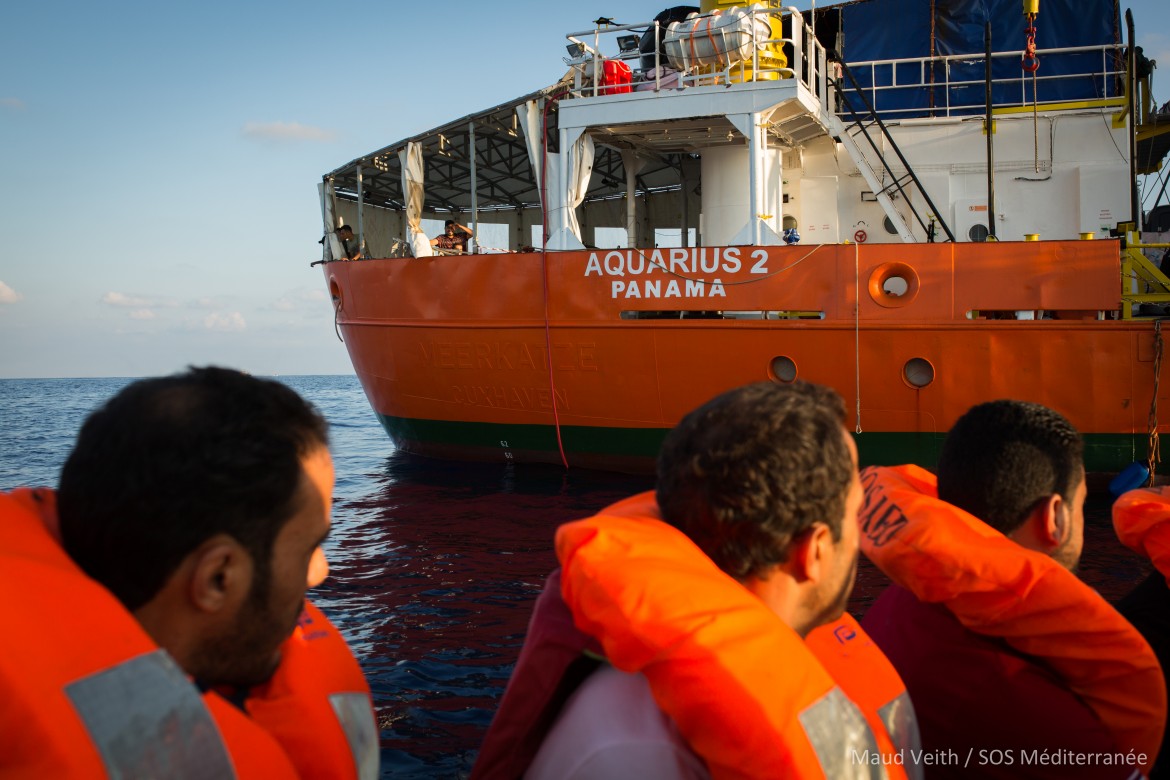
1104,452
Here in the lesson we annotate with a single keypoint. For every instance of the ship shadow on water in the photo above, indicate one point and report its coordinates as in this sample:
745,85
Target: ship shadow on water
435,569
434,573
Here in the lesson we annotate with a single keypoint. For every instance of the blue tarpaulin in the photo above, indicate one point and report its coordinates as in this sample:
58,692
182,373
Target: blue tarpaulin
900,29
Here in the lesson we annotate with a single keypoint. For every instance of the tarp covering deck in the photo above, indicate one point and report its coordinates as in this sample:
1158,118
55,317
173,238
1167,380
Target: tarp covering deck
945,28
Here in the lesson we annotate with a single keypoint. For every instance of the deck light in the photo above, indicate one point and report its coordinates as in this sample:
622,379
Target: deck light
627,43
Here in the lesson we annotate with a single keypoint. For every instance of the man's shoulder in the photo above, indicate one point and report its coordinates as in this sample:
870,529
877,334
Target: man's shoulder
611,727
975,691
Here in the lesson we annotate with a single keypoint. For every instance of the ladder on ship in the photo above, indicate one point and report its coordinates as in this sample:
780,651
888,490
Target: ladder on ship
863,124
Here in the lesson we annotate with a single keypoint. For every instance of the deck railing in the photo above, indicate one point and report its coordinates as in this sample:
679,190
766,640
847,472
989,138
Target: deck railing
940,86
806,58
954,85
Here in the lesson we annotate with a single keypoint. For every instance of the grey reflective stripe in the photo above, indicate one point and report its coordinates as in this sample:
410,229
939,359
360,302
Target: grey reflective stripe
356,715
902,726
841,738
147,720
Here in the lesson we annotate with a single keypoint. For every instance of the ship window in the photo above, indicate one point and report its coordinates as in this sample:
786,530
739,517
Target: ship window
783,369
889,226
978,233
918,372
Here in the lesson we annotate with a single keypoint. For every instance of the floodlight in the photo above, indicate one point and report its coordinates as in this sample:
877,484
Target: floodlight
627,43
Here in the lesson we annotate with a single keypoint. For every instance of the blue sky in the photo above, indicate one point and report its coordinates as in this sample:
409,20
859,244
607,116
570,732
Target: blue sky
160,160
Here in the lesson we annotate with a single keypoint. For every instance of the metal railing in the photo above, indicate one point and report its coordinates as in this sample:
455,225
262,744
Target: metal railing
807,60
1087,72
944,77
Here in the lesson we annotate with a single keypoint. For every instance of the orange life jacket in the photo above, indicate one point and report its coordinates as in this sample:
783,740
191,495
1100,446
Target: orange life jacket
85,692
317,705
1141,519
867,677
997,588
745,691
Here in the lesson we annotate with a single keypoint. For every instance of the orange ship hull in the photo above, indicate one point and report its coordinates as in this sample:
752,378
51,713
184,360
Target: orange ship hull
592,356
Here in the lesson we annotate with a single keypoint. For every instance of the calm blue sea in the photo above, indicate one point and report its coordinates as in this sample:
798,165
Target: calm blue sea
434,565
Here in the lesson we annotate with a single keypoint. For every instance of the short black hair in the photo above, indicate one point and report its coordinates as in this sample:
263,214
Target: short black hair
169,462
752,469
449,222
1002,458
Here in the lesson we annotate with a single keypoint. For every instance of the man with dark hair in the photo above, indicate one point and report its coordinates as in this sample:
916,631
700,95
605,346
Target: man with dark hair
762,484
759,473
989,629
200,502
1019,468
454,238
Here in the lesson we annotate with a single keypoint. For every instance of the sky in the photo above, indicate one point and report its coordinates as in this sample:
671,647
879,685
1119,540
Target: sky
159,161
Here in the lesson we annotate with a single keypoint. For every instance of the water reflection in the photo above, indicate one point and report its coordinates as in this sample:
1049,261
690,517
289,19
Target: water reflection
434,575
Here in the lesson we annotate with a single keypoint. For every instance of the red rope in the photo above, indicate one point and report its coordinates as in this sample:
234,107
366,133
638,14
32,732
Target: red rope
544,259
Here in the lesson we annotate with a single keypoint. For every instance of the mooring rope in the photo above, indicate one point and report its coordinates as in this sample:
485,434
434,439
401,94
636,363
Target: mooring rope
1154,454
552,385
857,328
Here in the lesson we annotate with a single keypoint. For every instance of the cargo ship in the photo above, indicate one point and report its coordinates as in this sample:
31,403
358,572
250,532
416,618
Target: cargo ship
923,205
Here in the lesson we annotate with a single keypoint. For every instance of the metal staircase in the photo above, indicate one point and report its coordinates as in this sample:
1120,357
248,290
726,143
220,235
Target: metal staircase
857,136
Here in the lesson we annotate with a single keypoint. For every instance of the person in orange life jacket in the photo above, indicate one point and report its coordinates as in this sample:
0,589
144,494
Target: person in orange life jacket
762,483
1142,520
201,501
1017,467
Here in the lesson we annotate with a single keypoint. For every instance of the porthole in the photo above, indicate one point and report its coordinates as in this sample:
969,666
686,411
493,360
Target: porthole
335,293
889,226
978,233
918,372
893,285
783,369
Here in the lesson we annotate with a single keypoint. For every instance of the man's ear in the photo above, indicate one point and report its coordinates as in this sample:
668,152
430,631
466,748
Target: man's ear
1051,521
221,574
810,554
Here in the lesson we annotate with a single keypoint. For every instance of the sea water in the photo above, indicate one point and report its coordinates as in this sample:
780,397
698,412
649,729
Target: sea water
434,565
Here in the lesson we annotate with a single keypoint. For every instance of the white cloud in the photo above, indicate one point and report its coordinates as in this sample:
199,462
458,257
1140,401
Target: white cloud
204,303
120,299
142,314
124,301
287,131
225,322
299,299
8,295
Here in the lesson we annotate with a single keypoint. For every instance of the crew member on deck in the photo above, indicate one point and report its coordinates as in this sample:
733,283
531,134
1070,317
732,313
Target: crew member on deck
454,238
